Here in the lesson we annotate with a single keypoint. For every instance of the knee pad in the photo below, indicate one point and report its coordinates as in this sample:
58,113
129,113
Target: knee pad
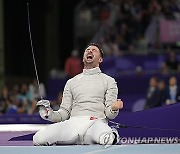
110,138
116,134
107,138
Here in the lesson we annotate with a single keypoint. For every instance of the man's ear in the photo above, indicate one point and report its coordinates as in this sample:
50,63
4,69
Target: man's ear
100,60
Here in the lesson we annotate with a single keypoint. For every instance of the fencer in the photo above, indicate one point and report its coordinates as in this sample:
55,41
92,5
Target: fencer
89,101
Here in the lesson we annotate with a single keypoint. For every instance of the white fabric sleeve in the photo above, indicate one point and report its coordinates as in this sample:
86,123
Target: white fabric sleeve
67,101
54,116
49,114
111,97
65,108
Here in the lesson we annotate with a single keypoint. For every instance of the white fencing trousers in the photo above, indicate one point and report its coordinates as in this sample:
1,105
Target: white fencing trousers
76,130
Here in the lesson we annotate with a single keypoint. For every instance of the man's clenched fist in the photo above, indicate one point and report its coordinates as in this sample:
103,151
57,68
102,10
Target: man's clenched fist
117,105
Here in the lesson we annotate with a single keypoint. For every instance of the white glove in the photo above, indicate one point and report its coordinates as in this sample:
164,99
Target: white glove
44,103
44,108
45,112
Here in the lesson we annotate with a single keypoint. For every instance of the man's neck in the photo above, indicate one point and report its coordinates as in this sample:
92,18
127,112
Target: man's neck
89,66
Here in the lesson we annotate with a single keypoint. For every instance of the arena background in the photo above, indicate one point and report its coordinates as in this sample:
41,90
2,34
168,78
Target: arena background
136,37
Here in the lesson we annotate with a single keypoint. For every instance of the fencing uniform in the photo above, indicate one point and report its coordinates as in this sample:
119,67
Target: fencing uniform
83,113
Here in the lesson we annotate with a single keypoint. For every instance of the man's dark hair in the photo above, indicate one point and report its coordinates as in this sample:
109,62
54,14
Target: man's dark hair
97,45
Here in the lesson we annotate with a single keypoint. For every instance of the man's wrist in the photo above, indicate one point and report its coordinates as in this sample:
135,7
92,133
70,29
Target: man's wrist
114,111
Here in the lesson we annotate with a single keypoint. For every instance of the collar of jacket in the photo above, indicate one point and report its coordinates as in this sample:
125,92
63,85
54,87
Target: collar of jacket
92,71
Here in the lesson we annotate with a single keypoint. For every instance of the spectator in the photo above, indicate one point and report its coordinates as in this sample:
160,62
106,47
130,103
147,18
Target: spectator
173,91
14,106
15,90
171,64
152,99
162,92
4,100
85,15
104,13
34,90
28,103
73,64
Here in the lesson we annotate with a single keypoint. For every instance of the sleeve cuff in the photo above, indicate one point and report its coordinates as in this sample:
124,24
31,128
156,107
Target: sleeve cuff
114,111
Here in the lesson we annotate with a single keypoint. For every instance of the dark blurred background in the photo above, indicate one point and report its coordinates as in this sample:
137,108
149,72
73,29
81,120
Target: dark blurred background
140,39
52,34
56,30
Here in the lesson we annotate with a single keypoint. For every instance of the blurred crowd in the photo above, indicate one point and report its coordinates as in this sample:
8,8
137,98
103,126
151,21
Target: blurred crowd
21,99
171,64
124,26
160,93
125,23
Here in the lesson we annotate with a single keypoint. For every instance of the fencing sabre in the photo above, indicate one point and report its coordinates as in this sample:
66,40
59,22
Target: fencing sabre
32,50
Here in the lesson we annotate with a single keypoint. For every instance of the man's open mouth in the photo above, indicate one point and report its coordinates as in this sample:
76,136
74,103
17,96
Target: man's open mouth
90,57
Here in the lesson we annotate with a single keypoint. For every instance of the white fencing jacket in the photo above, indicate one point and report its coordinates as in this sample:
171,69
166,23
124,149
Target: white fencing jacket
90,93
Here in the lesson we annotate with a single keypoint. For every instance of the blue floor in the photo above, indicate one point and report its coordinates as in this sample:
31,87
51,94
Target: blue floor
95,149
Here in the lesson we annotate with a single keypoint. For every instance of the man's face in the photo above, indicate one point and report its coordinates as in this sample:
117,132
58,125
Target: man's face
172,81
92,56
153,82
